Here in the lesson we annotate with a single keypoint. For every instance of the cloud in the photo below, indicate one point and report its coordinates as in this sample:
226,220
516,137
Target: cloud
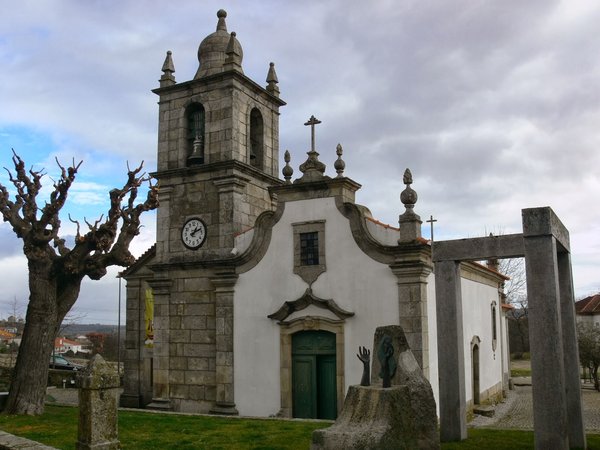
493,106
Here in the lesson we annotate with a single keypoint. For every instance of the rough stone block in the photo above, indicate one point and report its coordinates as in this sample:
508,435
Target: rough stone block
377,418
402,416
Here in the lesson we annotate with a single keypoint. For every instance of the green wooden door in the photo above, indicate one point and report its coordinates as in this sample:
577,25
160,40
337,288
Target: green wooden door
326,392
314,375
304,395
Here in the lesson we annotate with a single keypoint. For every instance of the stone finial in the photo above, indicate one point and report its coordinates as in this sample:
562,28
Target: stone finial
233,58
408,197
168,69
312,169
287,170
339,164
410,222
272,81
221,25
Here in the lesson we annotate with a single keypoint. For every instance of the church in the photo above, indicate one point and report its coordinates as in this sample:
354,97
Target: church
262,285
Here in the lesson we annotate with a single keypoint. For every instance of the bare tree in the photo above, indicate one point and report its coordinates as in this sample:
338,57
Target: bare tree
73,317
588,337
57,270
515,290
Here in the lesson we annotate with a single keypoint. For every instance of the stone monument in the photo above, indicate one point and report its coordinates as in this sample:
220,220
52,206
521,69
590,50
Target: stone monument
99,384
402,416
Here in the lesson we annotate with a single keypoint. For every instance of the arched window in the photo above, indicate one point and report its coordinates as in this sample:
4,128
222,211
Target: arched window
494,327
256,138
195,134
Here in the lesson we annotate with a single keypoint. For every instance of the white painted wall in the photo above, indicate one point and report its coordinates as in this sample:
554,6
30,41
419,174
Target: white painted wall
385,234
477,321
355,281
477,313
433,348
357,284
589,319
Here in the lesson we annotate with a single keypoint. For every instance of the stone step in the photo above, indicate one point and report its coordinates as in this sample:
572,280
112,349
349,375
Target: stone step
484,410
160,404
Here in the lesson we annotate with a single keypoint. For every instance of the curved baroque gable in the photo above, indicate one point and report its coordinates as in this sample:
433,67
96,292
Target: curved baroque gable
307,299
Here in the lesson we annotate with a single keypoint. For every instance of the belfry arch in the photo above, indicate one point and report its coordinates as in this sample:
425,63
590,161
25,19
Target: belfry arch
557,408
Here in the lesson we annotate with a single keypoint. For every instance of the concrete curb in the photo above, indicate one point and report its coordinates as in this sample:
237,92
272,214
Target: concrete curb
11,442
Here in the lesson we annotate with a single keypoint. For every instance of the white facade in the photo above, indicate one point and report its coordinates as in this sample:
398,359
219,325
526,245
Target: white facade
359,284
262,290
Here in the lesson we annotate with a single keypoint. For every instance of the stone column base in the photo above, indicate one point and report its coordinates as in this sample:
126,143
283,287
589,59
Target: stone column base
224,408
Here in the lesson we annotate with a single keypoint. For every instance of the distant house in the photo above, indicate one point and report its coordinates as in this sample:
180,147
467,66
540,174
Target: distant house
588,310
63,345
6,336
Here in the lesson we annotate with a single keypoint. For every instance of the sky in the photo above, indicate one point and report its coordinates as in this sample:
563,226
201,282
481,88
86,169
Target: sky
493,105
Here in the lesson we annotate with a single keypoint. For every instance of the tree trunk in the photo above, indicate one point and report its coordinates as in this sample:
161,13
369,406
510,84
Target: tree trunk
28,386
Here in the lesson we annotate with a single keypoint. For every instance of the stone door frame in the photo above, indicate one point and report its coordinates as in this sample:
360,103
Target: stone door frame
308,323
558,416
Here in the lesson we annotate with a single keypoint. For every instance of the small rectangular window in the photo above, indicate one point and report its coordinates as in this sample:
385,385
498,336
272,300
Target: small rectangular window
309,249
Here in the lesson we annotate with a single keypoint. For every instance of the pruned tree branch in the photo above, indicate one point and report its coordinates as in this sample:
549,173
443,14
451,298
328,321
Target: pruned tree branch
55,270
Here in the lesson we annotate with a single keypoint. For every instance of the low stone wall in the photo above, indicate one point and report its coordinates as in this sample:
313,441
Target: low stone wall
62,378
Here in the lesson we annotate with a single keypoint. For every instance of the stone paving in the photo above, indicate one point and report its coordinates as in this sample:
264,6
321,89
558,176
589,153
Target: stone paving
516,411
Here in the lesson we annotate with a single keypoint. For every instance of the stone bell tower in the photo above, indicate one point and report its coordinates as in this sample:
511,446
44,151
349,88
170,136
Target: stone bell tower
218,144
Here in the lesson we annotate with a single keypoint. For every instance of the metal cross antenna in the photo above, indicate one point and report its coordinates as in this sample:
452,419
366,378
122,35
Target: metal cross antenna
312,122
430,221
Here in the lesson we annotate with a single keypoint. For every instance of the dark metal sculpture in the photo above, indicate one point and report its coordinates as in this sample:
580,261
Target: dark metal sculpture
364,354
385,353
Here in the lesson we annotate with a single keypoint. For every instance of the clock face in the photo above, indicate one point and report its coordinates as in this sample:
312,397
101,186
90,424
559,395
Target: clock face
193,233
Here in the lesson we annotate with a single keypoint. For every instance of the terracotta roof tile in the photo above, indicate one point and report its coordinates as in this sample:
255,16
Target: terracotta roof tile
589,305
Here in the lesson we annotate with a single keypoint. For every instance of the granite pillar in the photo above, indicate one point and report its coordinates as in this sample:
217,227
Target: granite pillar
412,299
551,332
570,353
224,289
161,288
451,361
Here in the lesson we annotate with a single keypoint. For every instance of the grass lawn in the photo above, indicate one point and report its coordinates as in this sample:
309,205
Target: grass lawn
139,430
520,372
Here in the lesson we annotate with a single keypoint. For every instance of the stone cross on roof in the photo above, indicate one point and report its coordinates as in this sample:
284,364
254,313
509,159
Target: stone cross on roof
312,122
431,221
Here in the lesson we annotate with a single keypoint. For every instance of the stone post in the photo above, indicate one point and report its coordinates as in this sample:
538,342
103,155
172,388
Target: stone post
224,284
571,353
451,361
98,391
551,332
